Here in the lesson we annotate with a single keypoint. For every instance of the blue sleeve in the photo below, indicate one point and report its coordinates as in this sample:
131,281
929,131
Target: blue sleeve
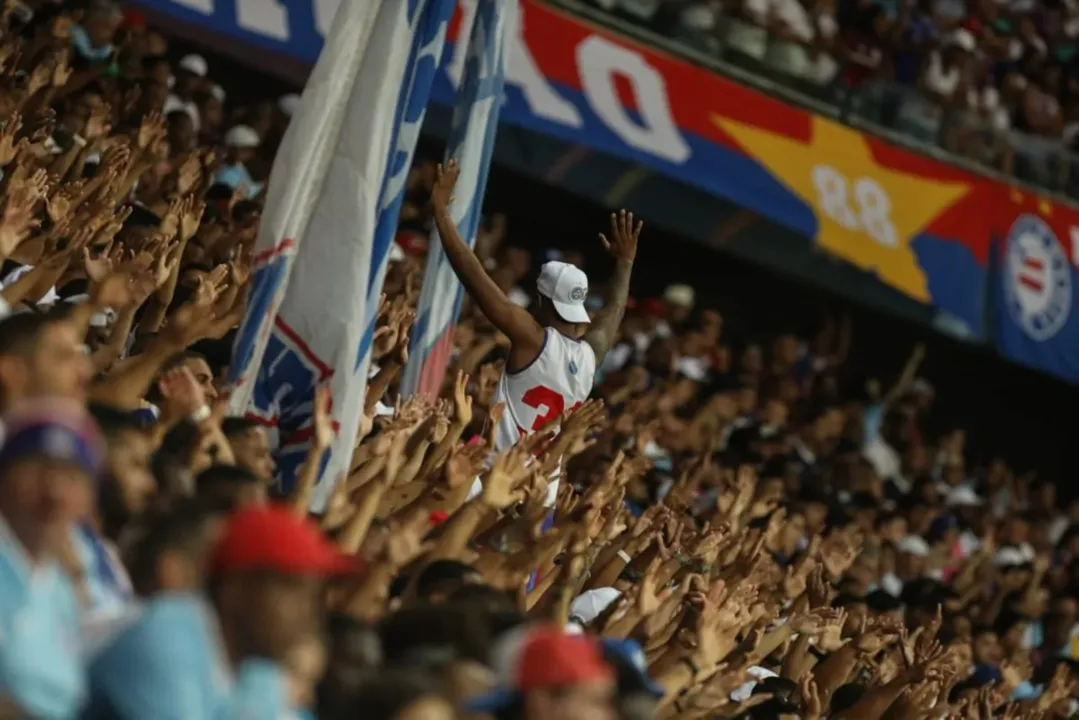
167,668
260,692
154,670
872,419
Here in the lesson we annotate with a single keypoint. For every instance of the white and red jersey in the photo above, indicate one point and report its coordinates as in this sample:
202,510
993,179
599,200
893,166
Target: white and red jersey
559,379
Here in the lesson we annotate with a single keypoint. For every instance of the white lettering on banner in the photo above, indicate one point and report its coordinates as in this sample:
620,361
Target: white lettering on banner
324,11
599,61
265,17
206,7
456,69
874,216
409,133
542,99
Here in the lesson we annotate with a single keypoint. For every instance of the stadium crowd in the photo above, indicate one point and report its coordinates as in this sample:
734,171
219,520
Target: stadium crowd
709,534
996,81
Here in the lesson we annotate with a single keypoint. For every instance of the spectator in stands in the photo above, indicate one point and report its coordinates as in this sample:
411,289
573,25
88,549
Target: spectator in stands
778,542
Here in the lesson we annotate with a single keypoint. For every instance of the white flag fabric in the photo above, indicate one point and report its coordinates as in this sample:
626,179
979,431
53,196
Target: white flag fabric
331,213
471,143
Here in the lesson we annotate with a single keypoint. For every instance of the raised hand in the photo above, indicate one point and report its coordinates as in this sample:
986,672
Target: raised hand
838,552
97,125
188,174
871,640
322,420
624,234
191,216
462,401
8,148
61,71
188,323
811,701
500,483
464,463
578,424
152,128
405,540
445,182
181,391
18,218
39,79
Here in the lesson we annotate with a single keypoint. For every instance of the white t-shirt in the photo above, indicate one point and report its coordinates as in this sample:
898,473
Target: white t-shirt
559,379
795,17
940,80
50,297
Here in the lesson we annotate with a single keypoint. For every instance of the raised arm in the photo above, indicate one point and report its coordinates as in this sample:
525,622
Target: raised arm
623,245
906,378
516,322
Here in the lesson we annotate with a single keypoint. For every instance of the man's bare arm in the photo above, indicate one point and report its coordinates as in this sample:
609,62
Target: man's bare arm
623,245
517,324
605,325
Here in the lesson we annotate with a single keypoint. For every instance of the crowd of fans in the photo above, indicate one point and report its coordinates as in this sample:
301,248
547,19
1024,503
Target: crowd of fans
729,536
995,81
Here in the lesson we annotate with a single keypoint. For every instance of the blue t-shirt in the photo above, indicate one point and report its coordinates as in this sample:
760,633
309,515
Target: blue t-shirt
170,665
236,176
40,665
80,39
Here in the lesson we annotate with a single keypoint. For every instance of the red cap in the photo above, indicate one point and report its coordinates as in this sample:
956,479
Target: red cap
552,658
653,306
545,657
134,18
273,538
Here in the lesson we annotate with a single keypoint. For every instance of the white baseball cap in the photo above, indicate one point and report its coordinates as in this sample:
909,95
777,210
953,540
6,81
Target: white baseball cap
914,545
590,605
567,288
242,136
194,64
745,690
963,496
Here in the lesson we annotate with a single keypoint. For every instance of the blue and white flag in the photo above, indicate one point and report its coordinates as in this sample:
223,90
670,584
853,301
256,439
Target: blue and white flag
331,213
471,142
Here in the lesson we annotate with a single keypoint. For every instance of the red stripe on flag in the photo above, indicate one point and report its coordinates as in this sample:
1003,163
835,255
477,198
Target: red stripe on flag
1032,282
434,367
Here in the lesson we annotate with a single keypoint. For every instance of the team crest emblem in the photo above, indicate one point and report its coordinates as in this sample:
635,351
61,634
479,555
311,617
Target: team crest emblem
578,294
1037,279
572,368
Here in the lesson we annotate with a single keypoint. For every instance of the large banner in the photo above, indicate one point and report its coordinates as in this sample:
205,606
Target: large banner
920,225
331,212
471,143
1036,320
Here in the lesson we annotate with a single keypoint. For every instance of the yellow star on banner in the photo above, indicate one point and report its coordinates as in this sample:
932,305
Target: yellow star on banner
866,213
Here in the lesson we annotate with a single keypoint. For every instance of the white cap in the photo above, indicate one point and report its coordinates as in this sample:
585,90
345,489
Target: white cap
218,92
680,295
745,690
396,253
194,64
175,104
962,38
242,136
692,368
1009,557
921,386
590,605
914,545
567,288
288,104
963,496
